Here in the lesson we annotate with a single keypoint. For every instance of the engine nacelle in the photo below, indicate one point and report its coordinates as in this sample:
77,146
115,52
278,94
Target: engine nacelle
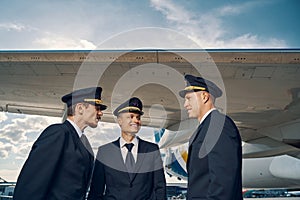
271,172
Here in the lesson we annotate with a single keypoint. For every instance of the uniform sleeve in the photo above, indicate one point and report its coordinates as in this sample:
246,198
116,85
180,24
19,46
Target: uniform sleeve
159,177
38,171
98,180
224,164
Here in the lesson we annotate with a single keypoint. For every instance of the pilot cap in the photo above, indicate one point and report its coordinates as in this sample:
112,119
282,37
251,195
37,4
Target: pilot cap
195,84
133,105
90,95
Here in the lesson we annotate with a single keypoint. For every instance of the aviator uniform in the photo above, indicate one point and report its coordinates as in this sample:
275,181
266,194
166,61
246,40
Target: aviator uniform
59,165
214,162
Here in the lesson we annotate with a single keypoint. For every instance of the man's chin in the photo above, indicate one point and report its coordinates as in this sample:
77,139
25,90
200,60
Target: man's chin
94,125
192,116
133,133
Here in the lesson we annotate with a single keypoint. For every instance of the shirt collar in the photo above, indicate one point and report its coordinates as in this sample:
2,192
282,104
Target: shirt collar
206,114
79,132
123,142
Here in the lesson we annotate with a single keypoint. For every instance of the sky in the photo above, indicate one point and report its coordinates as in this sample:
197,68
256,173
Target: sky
84,24
89,24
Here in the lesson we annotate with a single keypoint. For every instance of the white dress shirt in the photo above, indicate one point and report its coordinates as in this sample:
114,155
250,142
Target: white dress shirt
124,150
206,114
79,132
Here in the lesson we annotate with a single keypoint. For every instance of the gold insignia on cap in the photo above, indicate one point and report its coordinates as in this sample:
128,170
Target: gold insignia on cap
129,108
194,88
97,101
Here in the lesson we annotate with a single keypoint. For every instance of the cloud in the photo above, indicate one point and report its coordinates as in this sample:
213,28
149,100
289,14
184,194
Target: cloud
54,41
9,174
207,28
150,38
173,12
5,149
236,9
204,29
18,129
23,151
3,117
249,41
12,27
104,133
18,132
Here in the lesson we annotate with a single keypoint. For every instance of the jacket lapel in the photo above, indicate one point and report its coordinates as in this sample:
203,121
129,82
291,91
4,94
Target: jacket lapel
197,135
118,154
192,138
208,132
142,151
81,148
120,161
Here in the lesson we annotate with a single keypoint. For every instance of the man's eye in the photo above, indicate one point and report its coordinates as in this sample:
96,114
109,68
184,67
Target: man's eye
98,109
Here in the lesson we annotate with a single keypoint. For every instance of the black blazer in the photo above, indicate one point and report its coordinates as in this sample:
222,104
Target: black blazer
111,179
215,160
58,167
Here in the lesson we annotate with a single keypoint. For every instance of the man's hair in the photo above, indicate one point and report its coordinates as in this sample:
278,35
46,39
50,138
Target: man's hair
71,109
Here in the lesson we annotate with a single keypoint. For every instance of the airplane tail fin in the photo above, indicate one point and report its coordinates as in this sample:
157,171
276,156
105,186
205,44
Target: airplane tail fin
158,133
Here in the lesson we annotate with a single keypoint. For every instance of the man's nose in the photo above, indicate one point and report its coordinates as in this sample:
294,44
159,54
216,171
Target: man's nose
99,112
136,120
185,104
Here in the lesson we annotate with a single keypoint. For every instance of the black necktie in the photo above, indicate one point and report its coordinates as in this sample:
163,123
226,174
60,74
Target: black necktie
86,143
129,161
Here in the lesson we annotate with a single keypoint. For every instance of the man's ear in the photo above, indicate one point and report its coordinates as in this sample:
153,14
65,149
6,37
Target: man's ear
79,108
205,96
119,120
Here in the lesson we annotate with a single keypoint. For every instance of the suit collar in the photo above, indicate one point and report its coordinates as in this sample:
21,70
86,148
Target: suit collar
142,152
76,138
206,114
123,142
205,118
79,132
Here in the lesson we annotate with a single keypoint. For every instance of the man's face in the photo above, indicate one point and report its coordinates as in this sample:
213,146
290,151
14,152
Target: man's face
192,104
130,123
91,115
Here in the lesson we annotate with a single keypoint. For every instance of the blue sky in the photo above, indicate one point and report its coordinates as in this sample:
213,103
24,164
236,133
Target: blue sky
84,24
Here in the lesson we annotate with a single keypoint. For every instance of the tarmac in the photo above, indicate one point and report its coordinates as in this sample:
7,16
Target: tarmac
275,198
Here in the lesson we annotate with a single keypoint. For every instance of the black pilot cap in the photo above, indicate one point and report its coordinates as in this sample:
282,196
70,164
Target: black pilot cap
133,105
90,95
195,84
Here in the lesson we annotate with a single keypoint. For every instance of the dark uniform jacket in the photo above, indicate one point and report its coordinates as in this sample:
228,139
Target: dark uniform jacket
112,181
58,167
215,160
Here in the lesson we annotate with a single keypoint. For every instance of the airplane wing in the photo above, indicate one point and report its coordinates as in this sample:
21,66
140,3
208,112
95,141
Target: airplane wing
261,87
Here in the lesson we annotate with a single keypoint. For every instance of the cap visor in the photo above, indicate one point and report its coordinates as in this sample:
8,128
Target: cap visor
182,93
